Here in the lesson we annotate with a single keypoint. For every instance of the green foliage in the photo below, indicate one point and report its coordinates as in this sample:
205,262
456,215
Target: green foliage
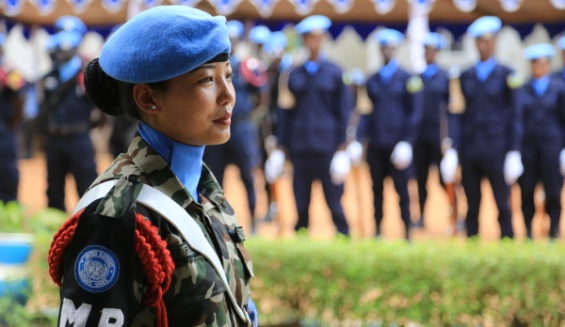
449,283
44,295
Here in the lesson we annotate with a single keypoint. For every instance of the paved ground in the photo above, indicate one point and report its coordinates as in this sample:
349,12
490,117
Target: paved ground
357,202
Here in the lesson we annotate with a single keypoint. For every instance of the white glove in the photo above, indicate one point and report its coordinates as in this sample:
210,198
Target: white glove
401,156
448,166
513,167
355,152
340,167
562,162
274,165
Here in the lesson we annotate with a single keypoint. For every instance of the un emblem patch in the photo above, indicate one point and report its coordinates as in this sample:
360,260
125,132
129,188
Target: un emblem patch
96,269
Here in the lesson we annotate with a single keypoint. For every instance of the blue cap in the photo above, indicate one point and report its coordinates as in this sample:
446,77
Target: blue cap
484,26
540,50
561,43
277,42
63,40
70,23
259,34
164,42
389,37
235,29
435,40
313,23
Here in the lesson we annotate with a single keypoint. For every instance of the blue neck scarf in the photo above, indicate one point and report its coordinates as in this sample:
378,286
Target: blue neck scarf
540,84
387,71
312,67
184,160
484,68
430,71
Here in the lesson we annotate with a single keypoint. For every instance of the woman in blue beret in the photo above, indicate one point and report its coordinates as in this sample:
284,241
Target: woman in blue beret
154,242
543,143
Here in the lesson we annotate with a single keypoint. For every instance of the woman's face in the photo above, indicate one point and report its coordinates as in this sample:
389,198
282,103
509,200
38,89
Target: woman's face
196,108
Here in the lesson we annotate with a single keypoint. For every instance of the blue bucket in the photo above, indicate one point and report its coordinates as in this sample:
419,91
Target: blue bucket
15,251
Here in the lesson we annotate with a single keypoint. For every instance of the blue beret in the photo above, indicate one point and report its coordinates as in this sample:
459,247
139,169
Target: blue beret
277,42
70,23
235,29
539,50
63,40
313,23
162,43
389,37
484,25
259,34
561,43
434,40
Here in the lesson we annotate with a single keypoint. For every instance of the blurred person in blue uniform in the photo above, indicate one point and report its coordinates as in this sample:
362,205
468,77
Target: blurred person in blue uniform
313,130
543,145
242,149
486,136
428,148
11,116
66,112
561,46
392,126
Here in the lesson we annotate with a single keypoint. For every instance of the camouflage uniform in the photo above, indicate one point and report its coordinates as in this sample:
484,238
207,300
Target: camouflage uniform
197,296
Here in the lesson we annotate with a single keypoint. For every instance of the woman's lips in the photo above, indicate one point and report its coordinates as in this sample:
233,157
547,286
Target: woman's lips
224,120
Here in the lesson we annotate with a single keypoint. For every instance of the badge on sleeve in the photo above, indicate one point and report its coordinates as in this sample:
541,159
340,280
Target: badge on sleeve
514,81
96,269
414,84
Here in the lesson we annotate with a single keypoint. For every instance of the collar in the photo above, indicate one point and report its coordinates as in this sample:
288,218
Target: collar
430,71
388,70
540,84
70,69
184,160
484,68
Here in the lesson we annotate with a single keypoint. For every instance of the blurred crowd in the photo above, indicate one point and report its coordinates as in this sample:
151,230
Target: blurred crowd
299,112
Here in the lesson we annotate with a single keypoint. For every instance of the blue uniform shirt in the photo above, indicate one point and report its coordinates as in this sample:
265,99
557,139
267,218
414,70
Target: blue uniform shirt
247,94
491,121
436,97
318,120
397,110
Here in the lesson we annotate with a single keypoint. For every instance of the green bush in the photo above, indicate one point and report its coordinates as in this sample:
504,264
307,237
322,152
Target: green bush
443,283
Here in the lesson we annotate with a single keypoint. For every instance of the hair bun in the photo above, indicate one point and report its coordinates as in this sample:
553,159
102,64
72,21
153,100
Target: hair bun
102,89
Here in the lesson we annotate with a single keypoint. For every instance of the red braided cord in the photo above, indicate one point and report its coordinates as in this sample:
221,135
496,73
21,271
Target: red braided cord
156,259
59,244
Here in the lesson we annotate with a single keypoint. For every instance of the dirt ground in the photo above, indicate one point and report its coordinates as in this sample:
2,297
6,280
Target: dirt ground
357,202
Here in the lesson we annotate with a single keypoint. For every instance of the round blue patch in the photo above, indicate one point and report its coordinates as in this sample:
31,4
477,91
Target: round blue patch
96,269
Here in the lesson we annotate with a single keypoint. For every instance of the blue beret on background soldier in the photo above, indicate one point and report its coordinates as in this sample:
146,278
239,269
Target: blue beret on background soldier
11,116
543,144
391,128
486,135
154,242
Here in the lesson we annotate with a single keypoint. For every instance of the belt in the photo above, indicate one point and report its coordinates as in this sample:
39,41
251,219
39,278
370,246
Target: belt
68,129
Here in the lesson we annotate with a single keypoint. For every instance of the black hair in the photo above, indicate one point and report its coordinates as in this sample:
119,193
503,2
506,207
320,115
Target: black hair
110,95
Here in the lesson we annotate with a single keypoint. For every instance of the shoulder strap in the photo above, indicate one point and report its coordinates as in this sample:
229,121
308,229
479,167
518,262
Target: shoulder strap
180,219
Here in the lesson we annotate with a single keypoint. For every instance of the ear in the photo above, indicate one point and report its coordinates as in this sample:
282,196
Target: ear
143,96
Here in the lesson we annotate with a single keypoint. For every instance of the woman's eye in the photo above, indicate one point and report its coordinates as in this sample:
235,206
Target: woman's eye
230,76
208,79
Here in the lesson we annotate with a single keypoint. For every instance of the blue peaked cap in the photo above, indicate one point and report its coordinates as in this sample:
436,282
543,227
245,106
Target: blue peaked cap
435,40
561,43
539,50
70,23
162,43
235,29
259,34
63,40
277,42
484,25
313,23
389,37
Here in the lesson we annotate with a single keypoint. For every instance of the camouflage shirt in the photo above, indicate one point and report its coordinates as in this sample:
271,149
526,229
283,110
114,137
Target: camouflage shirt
102,249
